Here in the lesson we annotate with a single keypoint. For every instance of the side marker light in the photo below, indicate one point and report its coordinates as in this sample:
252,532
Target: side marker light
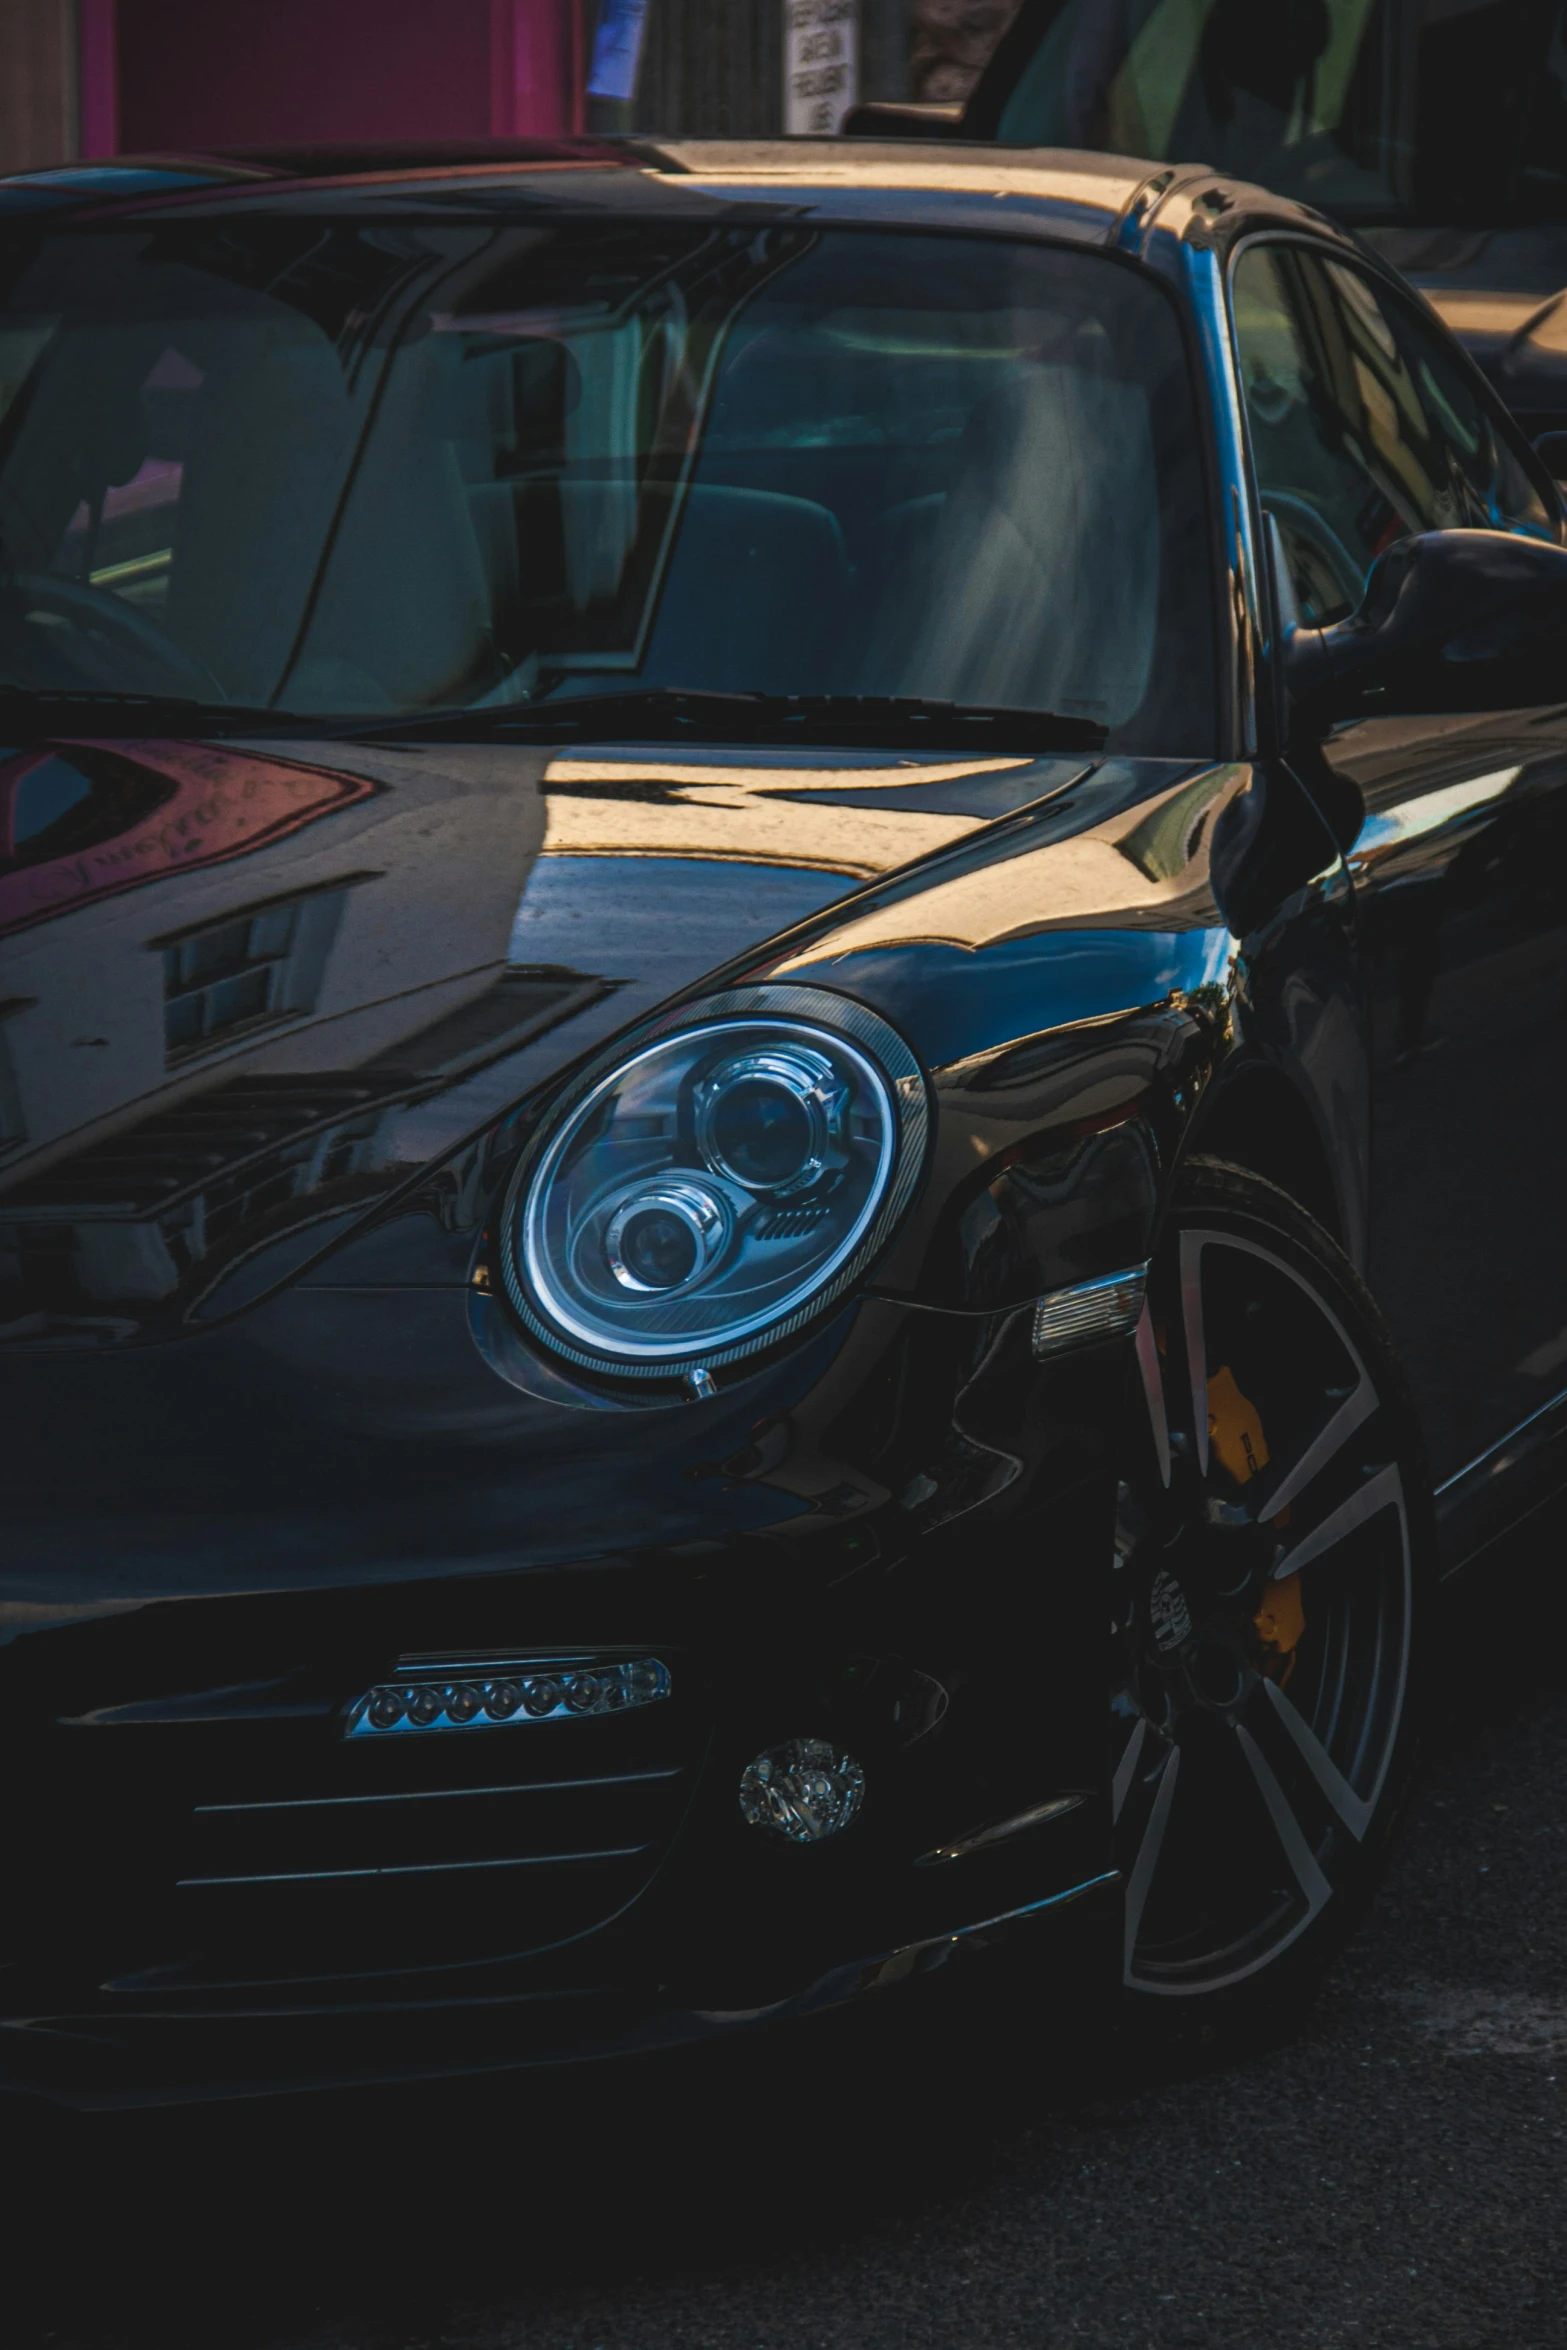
1089,1310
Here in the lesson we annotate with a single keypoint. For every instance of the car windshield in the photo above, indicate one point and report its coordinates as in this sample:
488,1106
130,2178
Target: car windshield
1397,111
320,467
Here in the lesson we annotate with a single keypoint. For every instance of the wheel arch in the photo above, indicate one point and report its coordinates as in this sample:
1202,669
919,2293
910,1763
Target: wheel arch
1256,1116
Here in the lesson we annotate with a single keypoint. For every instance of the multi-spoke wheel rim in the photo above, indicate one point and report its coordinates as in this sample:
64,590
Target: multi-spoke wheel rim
1261,1615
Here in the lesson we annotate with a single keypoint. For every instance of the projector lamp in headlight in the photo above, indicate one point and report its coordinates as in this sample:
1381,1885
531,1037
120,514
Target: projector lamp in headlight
704,1192
774,1120
665,1236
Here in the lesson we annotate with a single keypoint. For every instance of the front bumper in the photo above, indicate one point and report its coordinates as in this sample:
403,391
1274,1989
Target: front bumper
899,1541
101,2063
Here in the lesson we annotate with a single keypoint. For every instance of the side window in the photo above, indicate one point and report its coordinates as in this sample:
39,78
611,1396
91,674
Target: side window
1363,431
1489,485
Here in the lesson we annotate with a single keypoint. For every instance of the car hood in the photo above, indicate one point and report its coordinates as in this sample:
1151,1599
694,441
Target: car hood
251,991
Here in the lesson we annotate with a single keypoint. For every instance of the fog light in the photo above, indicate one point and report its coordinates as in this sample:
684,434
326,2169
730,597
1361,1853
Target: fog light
805,1790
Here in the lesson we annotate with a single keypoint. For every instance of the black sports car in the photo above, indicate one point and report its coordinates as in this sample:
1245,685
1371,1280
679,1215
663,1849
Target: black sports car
741,890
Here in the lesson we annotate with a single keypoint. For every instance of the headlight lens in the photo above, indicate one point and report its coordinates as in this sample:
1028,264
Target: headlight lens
714,1187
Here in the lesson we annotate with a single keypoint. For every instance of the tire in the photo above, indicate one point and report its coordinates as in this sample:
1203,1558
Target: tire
1273,1579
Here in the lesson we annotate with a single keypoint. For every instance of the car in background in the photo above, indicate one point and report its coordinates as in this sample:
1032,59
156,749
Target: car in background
1437,133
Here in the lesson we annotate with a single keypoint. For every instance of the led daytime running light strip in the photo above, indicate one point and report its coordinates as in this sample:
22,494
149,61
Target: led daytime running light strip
498,1698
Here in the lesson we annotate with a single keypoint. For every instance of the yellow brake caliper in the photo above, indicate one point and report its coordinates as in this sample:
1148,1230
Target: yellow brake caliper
1236,1440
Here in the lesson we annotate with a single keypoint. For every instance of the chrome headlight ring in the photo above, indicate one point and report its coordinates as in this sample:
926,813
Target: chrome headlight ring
712,1184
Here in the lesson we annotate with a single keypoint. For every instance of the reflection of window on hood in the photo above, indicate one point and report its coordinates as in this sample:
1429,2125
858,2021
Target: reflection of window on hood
262,964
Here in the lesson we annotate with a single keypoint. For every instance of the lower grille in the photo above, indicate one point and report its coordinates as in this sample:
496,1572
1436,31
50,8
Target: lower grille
391,1878
267,1848
394,1823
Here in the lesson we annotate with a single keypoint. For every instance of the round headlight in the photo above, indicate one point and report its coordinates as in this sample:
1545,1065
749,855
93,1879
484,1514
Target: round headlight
703,1192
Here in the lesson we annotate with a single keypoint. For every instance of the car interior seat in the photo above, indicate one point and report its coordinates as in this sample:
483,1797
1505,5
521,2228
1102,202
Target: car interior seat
270,437
753,594
1034,581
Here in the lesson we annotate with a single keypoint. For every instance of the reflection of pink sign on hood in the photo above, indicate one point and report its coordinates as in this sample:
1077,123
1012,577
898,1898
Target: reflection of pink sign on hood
82,820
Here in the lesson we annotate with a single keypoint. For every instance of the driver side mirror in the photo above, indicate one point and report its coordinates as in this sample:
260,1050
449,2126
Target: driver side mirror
1457,620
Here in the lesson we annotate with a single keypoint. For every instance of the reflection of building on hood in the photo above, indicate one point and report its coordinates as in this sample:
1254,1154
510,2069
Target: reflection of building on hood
211,995
250,994
81,821
859,819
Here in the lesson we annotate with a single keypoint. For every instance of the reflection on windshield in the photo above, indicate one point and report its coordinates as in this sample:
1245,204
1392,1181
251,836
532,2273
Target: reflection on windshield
1375,110
356,472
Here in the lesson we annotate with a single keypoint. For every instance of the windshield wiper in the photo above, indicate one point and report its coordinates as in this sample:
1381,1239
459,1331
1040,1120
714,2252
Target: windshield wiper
663,714
640,714
56,709
677,714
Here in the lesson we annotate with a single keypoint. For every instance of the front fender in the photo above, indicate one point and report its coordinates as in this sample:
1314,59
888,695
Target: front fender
1086,995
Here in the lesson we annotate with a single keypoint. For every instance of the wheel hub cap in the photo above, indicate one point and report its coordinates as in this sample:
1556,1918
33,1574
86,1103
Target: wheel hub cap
1169,1617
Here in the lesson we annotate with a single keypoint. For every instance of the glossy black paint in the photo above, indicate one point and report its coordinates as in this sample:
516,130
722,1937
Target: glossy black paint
271,1429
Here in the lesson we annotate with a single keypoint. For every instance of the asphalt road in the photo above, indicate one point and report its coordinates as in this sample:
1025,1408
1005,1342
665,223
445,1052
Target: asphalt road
1391,2173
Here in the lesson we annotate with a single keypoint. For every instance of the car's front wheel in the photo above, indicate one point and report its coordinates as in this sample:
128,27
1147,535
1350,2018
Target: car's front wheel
1271,1575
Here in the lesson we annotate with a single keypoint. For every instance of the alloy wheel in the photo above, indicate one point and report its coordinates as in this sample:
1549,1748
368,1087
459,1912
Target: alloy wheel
1262,1615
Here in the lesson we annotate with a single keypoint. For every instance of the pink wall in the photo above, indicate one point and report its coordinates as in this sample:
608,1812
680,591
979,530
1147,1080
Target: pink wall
536,66
230,73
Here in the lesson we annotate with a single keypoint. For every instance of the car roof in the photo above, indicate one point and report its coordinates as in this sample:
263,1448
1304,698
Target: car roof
1055,192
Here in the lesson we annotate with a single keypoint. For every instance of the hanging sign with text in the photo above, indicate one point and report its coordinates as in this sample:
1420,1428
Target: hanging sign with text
617,49
821,64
